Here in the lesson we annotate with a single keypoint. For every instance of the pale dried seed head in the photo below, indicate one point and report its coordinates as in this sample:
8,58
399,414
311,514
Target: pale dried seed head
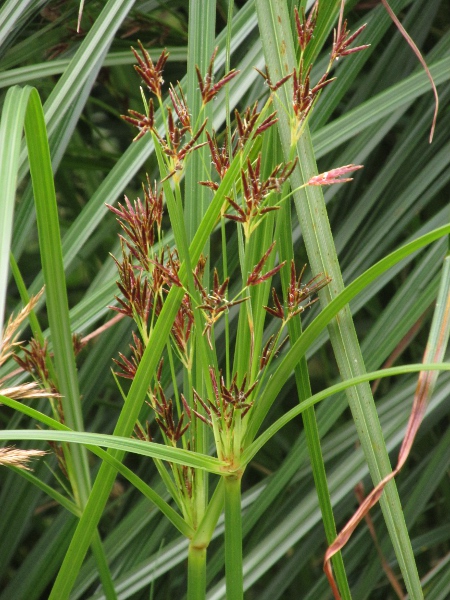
14,457
7,340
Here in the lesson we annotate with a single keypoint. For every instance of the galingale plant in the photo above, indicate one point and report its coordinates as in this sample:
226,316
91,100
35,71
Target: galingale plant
215,391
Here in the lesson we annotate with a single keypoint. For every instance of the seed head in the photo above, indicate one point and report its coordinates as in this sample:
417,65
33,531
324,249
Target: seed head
151,74
11,456
305,26
208,88
342,40
333,176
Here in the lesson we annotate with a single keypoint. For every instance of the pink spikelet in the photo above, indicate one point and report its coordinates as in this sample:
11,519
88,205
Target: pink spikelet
334,176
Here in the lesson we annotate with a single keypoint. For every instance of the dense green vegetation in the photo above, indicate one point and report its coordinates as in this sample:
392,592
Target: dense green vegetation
128,498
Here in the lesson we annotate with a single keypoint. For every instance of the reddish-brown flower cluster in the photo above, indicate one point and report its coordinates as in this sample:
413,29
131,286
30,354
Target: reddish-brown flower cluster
246,126
145,277
297,293
270,350
180,140
304,96
166,272
208,88
180,106
182,325
165,416
35,360
129,367
256,191
273,87
214,303
342,40
305,26
138,221
150,73
144,123
143,296
173,145
227,400
139,299
256,275
220,159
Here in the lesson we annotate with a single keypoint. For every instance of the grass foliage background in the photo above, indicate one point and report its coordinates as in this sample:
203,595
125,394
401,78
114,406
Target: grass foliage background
377,113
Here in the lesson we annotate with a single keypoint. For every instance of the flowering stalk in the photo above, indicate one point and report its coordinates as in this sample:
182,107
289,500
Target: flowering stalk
213,406
305,94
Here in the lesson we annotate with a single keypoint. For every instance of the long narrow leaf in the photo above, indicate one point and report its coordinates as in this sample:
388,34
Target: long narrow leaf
280,55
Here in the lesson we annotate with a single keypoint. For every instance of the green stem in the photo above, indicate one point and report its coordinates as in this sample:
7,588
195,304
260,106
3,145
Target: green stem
226,316
233,537
103,569
196,572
